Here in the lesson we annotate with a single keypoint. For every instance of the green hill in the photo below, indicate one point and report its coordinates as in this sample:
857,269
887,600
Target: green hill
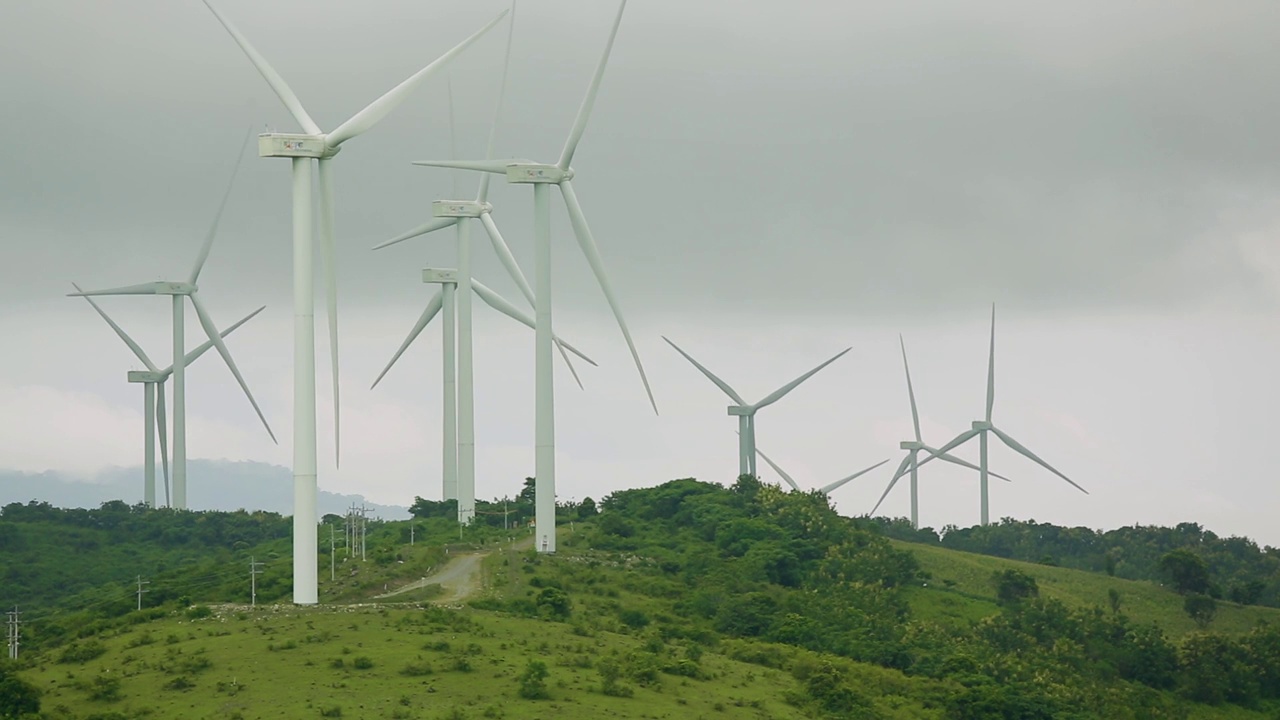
686,600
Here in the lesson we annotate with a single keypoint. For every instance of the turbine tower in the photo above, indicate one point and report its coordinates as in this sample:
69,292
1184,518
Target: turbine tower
542,175
825,489
442,303
301,149
746,412
177,290
913,447
153,381
982,427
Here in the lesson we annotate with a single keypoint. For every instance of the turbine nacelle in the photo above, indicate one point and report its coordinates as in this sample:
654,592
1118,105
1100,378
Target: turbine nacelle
295,145
152,288
538,173
147,376
440,276
742,410
981,425
911,445
460,208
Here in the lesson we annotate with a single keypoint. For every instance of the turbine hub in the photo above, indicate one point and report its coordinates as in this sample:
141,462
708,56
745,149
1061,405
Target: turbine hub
981,425
459,208
175,288
440,276
741,410
145,376
536,173
294,145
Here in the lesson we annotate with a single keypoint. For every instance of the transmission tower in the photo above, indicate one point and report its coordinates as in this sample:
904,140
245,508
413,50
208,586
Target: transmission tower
142,582
15,633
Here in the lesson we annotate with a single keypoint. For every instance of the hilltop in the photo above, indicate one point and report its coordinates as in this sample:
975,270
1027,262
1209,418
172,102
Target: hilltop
688,599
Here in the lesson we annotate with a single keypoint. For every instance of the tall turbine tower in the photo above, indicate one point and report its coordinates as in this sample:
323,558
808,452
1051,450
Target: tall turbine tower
177,290
301,149
982,427
153,380
442,303
746,412
913,447
541,175
825,489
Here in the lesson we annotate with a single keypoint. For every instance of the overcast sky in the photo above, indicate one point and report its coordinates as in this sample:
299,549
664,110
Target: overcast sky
769,184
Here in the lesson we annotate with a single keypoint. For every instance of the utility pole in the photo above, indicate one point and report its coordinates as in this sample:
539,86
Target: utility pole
141,582
331,546
410,534
254,572
364,531
14,632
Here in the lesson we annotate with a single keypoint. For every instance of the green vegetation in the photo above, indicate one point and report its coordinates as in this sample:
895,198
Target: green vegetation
684,600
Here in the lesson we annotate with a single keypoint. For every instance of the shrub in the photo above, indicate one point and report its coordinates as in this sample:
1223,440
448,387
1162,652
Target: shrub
81,653
533,681
1014,586
362,663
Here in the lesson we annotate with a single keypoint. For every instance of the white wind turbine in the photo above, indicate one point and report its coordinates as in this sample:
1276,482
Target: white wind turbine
982,427
746,412
910,463
825,489
459,396
316,144
442,303
153,381
541,175
188,289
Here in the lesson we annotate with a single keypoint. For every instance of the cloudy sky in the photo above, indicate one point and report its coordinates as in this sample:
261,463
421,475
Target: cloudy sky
769,183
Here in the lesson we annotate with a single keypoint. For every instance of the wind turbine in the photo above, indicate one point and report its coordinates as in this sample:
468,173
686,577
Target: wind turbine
154,402
301,149
913,448
442,303
542,175
177,290
982,427
825,489
459,396
747,412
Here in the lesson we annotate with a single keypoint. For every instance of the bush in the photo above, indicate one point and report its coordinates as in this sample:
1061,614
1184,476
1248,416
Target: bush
81,653
1200,608
1014,586
17,697
199,611
553,603
362,663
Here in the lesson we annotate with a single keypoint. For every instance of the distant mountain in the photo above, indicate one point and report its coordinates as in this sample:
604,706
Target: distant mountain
211,485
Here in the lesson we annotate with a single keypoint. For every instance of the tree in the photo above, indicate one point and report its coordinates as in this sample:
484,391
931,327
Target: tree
1186,570
1113,597
587,509
1201,608
1014,586
529,493
533,681
18,698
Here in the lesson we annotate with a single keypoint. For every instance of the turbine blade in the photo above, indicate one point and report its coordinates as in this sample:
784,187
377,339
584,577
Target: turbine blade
162,428
212,331
277,83
433,309
430,226
778,470
733,395
1015,445
777,395
498,167
584,111
588,244
502,305
329,264
956,442
508,260
150,288
453,136
963,463
903,468
991,366
572,371
135,347
483,193
194,355
380,108
828,489
213,229
911,393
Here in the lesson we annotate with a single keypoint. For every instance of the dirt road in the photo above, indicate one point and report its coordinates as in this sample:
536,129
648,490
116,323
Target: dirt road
460,578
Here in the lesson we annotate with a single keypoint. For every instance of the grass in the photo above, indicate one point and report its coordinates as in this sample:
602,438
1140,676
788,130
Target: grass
970,594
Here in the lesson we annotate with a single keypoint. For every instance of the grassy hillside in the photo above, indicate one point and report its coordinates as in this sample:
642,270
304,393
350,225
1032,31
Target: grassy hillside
688,600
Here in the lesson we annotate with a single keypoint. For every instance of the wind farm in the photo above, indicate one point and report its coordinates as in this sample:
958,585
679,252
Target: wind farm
812,214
